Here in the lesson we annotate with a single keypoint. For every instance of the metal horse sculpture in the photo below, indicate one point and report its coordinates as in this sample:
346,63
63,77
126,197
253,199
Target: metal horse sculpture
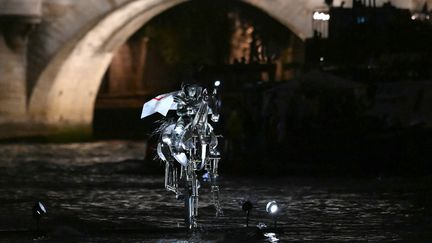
188,148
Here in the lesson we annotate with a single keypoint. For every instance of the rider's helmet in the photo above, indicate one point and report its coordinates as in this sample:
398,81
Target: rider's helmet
192,90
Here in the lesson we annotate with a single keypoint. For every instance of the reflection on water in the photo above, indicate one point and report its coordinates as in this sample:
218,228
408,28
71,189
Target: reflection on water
103,192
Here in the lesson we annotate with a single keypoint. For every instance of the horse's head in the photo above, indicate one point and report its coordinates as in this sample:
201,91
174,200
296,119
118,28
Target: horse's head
214,104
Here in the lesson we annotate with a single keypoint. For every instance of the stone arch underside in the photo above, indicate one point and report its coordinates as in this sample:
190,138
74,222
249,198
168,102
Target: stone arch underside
65,92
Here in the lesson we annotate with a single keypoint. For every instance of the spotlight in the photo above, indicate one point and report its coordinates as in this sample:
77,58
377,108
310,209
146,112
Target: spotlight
272,209
217,83
38,211
247,207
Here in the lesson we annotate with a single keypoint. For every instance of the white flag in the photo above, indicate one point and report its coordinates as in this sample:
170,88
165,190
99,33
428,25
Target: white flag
161,103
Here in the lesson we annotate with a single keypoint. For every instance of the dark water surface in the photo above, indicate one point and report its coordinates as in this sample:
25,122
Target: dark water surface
103,192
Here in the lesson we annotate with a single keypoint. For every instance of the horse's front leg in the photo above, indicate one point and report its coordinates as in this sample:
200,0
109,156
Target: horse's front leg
171,171
191,196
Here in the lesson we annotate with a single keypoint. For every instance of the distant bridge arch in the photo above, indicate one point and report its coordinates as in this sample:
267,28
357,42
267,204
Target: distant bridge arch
73,46
64,91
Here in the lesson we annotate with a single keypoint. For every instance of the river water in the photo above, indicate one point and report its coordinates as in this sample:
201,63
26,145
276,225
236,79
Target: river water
106,192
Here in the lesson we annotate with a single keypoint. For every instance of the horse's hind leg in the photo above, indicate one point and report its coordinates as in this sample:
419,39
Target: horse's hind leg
214,186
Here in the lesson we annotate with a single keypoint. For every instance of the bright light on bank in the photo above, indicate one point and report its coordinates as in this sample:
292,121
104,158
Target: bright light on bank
321,16
217,83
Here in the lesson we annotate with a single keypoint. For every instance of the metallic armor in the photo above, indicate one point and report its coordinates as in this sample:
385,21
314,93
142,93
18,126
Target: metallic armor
188,146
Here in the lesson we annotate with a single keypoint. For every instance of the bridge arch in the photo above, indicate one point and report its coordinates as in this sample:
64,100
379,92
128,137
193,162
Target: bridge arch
65,92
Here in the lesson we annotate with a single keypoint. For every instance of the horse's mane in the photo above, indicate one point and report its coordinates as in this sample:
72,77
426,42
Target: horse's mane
162,124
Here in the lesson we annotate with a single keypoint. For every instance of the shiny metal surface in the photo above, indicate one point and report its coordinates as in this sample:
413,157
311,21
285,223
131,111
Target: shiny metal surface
189,145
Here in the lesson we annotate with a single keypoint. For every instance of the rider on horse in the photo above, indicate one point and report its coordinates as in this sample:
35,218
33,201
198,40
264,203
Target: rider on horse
187,100
190,141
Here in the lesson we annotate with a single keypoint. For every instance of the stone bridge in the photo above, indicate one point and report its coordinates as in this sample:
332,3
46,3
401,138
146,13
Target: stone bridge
54,53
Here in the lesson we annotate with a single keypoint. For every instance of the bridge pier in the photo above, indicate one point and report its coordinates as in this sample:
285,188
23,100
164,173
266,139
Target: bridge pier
17,19
13,77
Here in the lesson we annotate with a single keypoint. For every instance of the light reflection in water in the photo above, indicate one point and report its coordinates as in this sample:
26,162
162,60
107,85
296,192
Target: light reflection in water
271,237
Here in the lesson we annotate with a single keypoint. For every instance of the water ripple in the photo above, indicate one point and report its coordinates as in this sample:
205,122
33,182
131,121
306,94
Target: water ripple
99,187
